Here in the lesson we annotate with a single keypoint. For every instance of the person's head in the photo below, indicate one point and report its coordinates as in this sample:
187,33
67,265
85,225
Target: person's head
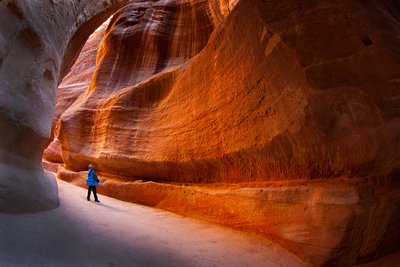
91,166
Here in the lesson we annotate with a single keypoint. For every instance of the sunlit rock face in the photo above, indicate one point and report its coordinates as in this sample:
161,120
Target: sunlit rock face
268,91
294,95
39,42
143,41
72,86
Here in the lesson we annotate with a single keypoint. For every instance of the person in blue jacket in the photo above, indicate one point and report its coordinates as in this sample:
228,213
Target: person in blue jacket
92,181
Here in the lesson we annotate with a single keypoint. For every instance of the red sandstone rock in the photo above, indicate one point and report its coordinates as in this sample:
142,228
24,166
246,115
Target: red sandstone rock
272,95
72,86
281,90
171,39
78,79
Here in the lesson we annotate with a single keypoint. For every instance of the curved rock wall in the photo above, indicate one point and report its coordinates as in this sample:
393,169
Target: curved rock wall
277,91
206,91
38,43
142,40
72,86
281,91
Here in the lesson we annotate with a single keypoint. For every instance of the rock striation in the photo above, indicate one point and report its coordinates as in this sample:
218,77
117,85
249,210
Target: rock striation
278,99
276,91
139,44
212,93
72,86
39,42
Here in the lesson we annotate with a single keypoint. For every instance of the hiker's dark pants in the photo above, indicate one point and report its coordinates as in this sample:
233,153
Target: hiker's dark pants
92,188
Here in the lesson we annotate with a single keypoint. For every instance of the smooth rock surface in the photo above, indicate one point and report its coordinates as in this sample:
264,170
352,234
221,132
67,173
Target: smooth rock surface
39,42
170,38
271,96
276,91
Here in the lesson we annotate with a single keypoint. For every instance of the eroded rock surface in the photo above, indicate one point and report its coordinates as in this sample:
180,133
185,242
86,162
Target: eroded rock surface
293,95
276,91
39,42
143,40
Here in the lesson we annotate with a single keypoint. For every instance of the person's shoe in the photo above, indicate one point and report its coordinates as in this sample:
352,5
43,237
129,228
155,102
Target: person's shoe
97,200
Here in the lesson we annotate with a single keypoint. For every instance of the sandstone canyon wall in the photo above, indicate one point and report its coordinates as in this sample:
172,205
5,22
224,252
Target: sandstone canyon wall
305,93
278,117
72,86
39,41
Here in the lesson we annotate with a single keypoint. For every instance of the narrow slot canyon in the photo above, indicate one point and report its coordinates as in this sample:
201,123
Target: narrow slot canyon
276,120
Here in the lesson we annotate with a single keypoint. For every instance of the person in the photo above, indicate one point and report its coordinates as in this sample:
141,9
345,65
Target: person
92,181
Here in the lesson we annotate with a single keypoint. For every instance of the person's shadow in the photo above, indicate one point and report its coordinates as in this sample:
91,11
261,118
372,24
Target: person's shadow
110,207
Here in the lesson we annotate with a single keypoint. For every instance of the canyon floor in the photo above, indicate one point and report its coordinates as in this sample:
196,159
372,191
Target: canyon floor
117,233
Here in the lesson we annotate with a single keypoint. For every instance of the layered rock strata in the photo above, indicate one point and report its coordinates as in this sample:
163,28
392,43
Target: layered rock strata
144,39
39,42
72,86
293,95
277,91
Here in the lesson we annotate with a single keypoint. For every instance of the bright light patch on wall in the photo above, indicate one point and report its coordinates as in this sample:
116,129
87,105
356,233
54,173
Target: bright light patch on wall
105,23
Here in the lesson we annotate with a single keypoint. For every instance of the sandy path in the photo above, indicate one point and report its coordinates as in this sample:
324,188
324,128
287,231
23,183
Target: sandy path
116,233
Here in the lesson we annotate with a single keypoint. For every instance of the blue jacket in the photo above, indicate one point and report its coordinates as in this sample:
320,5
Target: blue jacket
91,180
